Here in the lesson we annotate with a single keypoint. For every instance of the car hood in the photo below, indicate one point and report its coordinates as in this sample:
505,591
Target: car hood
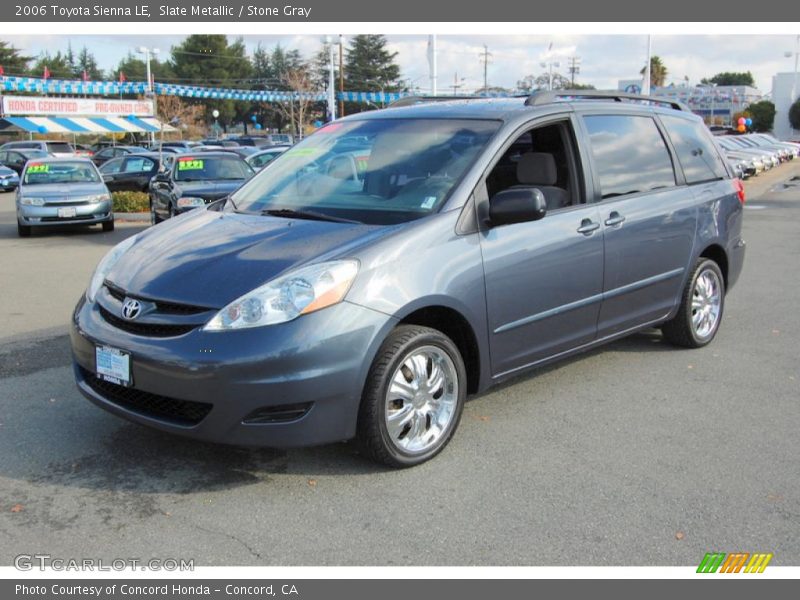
209,258
208,190
62,190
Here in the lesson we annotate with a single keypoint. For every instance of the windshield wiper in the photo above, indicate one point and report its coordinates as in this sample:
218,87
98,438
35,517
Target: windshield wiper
293,213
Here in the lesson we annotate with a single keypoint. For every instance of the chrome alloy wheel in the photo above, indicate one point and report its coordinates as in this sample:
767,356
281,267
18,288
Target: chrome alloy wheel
421,399
706,303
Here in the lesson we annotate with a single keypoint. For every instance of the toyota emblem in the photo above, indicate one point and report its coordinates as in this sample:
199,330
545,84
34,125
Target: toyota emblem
131,309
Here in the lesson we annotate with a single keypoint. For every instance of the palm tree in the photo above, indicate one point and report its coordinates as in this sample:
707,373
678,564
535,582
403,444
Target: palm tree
658,72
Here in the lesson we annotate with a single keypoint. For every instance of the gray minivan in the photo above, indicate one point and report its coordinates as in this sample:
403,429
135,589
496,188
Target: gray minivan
398,260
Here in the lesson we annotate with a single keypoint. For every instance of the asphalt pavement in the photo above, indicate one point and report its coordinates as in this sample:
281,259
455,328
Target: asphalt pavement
634,454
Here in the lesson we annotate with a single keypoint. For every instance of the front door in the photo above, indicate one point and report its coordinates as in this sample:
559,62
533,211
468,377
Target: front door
544,278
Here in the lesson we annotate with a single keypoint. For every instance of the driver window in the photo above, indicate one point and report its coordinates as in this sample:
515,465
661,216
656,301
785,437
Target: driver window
540,158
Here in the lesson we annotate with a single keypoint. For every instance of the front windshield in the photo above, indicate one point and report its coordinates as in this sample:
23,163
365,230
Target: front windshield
377,171
61,173
211,168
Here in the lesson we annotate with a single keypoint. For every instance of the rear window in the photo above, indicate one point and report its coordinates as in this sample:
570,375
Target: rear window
629,153
203,168
61,147
696,152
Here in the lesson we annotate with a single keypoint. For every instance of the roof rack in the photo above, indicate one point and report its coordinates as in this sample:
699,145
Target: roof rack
412,100
548,97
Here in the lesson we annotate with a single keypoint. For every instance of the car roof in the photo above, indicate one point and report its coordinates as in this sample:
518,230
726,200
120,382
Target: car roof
513,108
208,154
64,159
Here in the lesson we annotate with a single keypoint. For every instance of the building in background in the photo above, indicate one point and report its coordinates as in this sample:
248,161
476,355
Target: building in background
716,104
785,89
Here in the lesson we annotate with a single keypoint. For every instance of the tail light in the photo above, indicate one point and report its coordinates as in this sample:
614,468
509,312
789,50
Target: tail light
739,189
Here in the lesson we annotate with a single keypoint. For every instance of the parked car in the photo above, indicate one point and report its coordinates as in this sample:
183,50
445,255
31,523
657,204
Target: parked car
768,158
131,172
110,152
9,179
16,159
182,145
260,159
169,149
322,301
271,139
225,143
763,140
194,180
83,150
54,147
243,151
61,191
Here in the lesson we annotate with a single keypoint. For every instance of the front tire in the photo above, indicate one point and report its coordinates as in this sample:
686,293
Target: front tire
23,230
413,397
108,225
702,304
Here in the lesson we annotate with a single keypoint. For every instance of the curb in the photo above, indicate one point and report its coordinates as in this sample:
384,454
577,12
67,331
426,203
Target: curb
140,217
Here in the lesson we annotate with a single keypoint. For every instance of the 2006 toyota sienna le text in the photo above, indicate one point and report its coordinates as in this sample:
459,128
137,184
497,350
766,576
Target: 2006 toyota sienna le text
371,277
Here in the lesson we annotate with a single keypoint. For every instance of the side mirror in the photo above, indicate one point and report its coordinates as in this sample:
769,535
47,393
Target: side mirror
108,177
516,206
162,177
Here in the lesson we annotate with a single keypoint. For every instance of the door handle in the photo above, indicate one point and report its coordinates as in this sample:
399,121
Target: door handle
588,227
614,219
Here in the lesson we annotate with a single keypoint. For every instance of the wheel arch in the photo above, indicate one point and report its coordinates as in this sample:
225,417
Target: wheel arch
455,325
716,252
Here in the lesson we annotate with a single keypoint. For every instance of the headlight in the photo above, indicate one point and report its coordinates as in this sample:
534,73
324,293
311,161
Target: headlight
98,198
297,293
29,201
105,266
190,201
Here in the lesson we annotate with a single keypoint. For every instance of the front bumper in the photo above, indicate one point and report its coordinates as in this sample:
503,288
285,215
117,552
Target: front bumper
85,214
319,361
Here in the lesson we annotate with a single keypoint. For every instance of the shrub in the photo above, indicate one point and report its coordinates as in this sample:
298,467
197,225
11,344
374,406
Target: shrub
130,202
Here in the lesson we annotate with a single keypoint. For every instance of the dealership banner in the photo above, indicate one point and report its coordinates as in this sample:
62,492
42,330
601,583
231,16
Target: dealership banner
32,105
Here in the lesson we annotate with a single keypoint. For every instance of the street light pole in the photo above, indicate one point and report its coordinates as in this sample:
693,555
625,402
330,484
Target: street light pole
149,88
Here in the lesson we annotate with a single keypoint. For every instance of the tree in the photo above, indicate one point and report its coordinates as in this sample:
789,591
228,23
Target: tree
181,114
320,67
369,66
57,65
209,60
297,111
658,72
135,69
794,114
87,63
12,61
731,78
763,115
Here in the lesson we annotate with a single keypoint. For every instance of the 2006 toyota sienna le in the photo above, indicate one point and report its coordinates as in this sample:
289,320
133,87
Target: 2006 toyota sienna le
371,277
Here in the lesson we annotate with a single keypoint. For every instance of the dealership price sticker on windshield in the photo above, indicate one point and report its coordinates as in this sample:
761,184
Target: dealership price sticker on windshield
113,365
190,164
38,168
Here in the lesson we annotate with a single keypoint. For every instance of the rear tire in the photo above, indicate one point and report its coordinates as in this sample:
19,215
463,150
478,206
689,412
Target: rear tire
413,397
23,230
154,218
702,304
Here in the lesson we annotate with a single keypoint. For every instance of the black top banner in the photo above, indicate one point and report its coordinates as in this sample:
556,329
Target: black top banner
282,11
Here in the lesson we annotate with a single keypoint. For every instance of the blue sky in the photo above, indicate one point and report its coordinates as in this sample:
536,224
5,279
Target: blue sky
605,58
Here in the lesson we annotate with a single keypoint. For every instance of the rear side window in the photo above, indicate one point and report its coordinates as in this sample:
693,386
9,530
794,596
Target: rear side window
629,153
59,147
696,152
